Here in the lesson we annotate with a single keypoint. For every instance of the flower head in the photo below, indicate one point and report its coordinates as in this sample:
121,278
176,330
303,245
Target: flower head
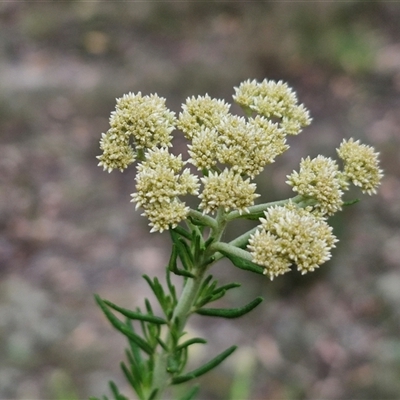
361,165
201,111
265,249
158,187
248,146
228,191
294,236
319,179
143,121
273,100
117,152
204,147
145,118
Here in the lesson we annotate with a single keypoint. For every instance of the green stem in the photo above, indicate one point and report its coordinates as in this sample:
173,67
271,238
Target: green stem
259,208
161,377
236,251
203,219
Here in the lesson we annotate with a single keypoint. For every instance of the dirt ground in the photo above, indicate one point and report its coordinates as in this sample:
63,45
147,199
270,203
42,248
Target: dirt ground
68,229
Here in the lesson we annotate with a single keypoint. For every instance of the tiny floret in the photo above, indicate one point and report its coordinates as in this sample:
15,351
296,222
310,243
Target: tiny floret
361,165
228,191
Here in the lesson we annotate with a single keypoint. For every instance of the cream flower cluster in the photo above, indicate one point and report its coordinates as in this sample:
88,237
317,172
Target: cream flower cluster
229,151
246,145
319,179
228,191
290,235
273,100
361,165
301,236
143,120
159,183
202,111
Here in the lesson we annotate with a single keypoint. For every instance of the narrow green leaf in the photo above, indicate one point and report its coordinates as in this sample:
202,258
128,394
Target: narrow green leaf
198,221
208,241
116,393
351,202
148,375
145,331
158,291
148,306
183,232
242,263
184,359
131,379
134,348
171,287
123,328
204,368
185,254
217,296
162,344
172,265
230,312
212,287
184,251
227,287
190,342
156,288
135,369
204,285
154,331
153,394
184,273
196,241
190,395
205,300
134,315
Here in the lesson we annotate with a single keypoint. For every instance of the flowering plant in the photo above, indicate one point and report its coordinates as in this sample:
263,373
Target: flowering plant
226,152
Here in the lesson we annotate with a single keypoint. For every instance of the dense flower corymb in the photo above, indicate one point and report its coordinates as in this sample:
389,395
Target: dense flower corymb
159,183
229,151
144,121
204,147
228,191
273,100
145,118
290,235
117,152
361,165
201,111
319,179
248,146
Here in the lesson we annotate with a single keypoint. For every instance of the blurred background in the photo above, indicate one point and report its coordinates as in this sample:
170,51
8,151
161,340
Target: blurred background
68,230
